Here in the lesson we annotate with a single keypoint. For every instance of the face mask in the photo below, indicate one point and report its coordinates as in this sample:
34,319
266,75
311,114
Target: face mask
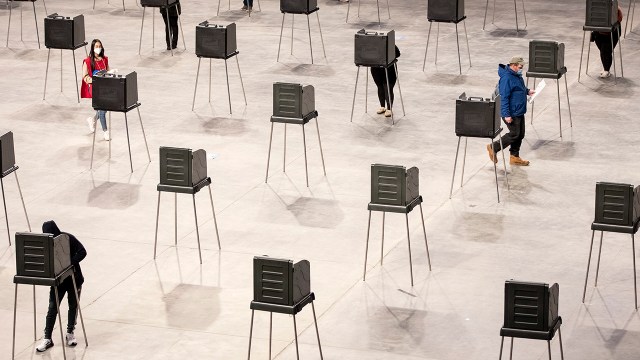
97,51
519,71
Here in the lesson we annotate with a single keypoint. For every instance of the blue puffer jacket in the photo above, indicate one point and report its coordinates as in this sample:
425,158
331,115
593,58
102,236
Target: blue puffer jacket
513,92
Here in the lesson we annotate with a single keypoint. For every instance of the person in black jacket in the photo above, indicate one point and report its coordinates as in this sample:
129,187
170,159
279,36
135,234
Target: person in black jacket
77,253
170,18
378,74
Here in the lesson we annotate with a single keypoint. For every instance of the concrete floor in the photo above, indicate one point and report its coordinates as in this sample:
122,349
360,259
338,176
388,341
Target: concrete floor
175,308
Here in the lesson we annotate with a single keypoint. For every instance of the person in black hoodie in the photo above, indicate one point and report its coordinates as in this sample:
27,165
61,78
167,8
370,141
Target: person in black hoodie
379,77
78,253
170,18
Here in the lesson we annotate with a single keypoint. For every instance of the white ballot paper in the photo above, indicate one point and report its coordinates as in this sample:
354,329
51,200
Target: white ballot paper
538,91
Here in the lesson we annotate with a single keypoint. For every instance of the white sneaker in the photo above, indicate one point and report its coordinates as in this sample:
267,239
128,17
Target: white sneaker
71,339
387,113
605,74
44,345
106,136
381,110
92,123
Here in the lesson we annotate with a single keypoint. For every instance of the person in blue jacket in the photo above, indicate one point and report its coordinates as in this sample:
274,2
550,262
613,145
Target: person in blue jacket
513,106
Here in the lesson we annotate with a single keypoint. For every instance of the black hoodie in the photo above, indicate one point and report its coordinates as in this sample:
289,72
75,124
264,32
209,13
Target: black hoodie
78,253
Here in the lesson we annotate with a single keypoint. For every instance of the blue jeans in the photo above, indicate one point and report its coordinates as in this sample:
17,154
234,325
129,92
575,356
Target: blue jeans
102,115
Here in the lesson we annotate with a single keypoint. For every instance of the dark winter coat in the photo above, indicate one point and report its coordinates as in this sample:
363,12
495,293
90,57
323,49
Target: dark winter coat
174,10
77,251
513,92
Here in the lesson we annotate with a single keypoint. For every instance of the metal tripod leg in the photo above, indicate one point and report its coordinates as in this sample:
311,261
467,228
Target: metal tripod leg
35,17
75,289
382,243
46,74
270,332
215,221
195,216
22,200
395,65
424,62
315,322
250,335
501,341
266,176
284,152
184,43
458,45
495,172
406,216
75,69
60,70
599,255
144,8
304,144
566,88
241,82
196,87
175,219
321,38
388,9
15,303
355,88
6,214
511,350
620,51
295,330
426,243
561,349
64,352
437,42
515,6
226,71
378,7
93,144
635,282
613,57
559,111
524,11
310,45
320,144
549,348
464,24
144,135
280,41
9,26
386,75
455,163
155,242
170,33
348,8
588,55
533,104
35,335
504,162
293,17
584,34
126,125
366,249
486,8
464,161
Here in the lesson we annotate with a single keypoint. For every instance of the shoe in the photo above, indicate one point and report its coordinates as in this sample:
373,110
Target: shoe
173,47
492,154
244,8
71,339
92,123
381,110
44,345
387,113
106,135
516,160
250,8
605,74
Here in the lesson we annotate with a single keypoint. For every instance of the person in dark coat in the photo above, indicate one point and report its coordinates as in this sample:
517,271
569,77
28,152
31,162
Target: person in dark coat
379,78
513,106
77,253
170,18
603,42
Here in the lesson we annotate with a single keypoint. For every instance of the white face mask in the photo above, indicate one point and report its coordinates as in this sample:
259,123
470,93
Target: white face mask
97,50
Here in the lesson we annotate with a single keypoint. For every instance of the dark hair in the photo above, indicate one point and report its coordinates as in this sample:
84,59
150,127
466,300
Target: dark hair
92,54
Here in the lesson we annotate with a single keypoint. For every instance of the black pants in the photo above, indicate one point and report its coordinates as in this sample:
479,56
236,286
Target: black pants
65,287
603,42
173,22
248,3
513,138
379,78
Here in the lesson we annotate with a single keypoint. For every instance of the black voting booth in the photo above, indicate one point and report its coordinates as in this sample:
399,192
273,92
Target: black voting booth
63,33
446,11
161,4
395,189
601,16
531,312
478,117
546,61
44,260
294,104
183,171
35,17
280,286
217,42
515,8
617,210
117,93
8,166
305,7
376,50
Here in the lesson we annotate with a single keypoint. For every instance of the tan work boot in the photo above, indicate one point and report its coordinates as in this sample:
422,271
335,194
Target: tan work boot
492,155
516,160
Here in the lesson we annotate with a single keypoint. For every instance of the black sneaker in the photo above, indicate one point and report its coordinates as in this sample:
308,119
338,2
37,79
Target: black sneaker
44,345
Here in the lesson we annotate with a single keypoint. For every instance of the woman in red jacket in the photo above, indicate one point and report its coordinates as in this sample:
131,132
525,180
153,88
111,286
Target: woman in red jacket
96,61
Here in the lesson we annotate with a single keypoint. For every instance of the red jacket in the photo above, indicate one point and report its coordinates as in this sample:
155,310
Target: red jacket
85,88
